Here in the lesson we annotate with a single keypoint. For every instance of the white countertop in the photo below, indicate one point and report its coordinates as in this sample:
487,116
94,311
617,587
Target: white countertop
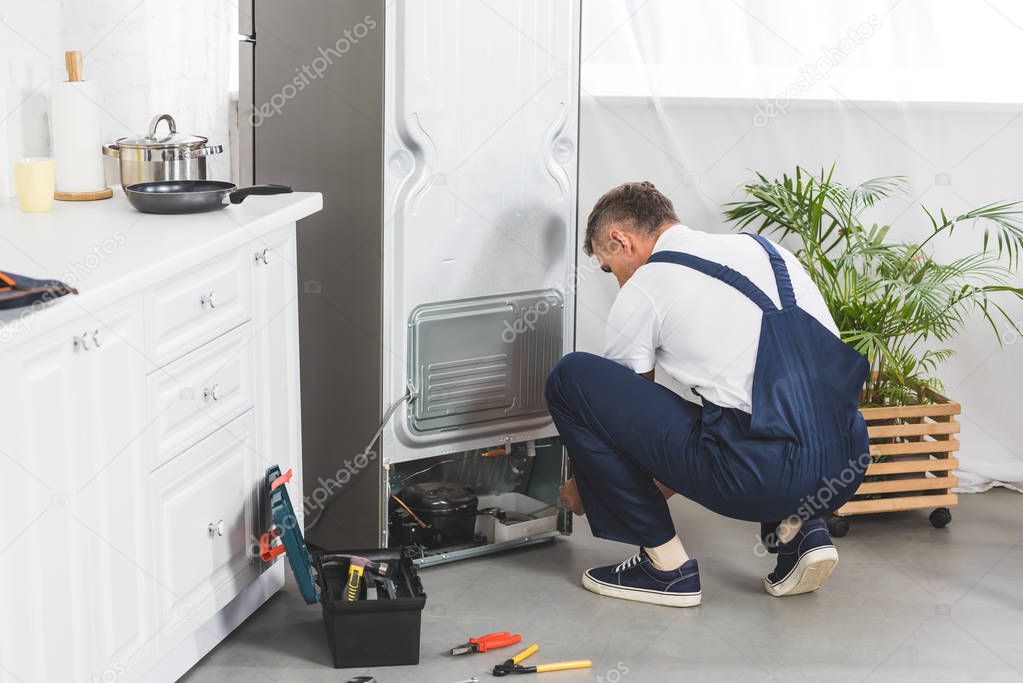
107,249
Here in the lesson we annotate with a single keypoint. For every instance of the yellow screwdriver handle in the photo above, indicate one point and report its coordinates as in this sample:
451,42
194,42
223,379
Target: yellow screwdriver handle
564,666
354,576
525,653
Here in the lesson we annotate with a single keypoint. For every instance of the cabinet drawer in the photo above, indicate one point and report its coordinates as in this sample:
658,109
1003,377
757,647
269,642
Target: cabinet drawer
198,305
194,396
204,501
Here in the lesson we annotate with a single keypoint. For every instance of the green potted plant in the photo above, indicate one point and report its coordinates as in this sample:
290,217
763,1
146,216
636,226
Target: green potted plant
899,306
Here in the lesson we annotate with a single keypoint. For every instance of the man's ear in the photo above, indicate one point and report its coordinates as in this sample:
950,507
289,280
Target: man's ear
621,240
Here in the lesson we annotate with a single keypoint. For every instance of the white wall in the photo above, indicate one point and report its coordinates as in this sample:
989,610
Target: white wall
149,58
651,112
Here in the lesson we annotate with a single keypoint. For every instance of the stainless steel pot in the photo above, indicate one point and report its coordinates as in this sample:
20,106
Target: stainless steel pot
175,156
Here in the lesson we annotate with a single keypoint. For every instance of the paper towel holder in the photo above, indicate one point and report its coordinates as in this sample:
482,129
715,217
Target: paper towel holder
73,64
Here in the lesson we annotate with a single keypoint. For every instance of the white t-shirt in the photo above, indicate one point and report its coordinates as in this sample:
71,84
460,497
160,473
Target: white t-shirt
702,332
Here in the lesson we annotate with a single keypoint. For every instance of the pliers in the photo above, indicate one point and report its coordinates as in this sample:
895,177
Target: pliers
512,665
491,641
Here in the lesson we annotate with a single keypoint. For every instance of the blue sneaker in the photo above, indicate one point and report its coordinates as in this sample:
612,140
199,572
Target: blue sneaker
638,579
805,562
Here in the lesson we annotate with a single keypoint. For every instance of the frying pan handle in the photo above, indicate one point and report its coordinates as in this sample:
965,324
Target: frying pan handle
240,194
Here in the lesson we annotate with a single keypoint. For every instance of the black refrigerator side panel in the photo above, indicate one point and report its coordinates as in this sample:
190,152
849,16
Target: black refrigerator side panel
316,122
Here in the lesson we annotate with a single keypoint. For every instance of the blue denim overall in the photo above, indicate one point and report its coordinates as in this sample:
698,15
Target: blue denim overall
801,450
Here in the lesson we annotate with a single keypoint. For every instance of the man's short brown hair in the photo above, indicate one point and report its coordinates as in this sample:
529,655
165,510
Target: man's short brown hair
640,206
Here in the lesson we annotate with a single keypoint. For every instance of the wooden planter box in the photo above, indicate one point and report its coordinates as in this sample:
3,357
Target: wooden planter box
907,443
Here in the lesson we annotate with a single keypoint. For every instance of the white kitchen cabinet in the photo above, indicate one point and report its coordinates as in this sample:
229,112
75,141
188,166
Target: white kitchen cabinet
203,508
275,317
197,306
80,394
110,555
138,420
39,434
194,396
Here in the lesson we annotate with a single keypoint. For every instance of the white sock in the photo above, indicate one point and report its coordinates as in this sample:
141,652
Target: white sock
668,557
788,529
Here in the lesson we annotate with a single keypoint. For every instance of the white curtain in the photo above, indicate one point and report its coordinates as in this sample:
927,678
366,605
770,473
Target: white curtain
695,95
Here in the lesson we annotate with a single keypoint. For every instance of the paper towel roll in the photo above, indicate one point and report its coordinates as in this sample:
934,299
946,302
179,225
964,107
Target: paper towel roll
77,140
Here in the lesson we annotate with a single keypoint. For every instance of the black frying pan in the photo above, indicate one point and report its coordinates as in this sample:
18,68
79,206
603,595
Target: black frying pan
192,196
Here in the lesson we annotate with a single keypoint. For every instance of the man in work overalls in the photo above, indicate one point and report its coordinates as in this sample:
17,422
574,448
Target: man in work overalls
778,435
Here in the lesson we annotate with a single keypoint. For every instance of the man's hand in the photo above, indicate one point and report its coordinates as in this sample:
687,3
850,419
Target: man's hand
568,494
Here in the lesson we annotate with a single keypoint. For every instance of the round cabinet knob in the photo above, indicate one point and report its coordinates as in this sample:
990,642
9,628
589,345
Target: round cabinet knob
217,528
96,339
209,300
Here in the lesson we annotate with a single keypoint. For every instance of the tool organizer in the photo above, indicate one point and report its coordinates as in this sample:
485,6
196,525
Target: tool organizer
380,630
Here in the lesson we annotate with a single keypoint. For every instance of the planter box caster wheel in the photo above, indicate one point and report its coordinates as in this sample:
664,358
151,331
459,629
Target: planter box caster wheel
838,526
940,518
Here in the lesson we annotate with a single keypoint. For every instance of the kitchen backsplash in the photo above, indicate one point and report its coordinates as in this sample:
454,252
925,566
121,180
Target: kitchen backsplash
149,57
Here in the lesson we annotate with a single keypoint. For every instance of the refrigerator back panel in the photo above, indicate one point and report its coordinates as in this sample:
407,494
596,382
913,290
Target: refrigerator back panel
480,134
483,360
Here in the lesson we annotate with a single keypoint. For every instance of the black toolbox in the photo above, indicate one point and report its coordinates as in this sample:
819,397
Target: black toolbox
365,632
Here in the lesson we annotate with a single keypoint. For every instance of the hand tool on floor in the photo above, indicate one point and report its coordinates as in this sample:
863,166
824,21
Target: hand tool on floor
512,666
491,641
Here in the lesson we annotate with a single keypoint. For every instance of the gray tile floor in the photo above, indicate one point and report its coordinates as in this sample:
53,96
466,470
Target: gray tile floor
907,602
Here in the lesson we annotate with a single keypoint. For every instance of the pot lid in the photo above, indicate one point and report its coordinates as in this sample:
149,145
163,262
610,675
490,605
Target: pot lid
171,139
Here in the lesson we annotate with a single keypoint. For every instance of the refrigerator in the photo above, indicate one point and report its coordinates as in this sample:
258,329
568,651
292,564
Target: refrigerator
437,286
